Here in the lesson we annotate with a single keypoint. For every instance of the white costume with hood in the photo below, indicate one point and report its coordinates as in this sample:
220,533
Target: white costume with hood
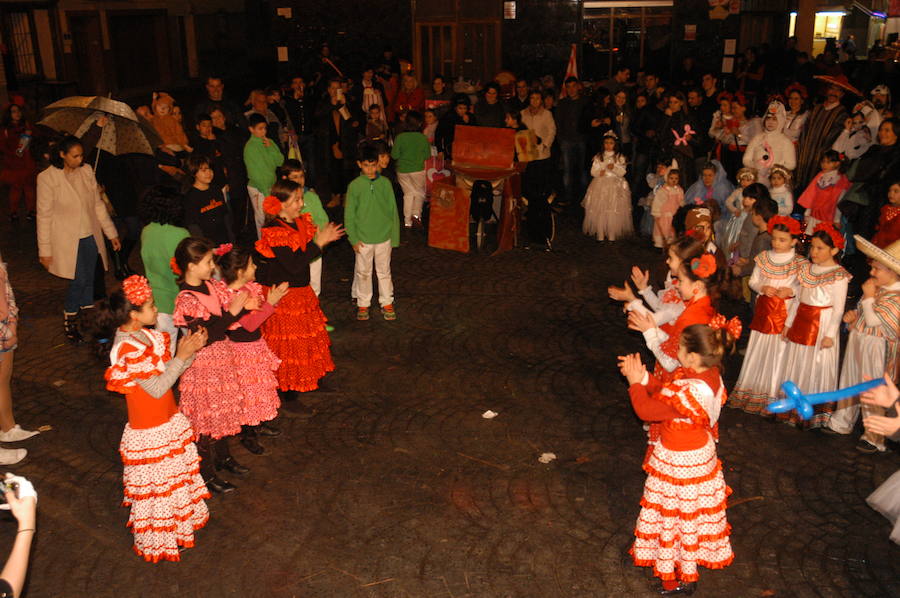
771,147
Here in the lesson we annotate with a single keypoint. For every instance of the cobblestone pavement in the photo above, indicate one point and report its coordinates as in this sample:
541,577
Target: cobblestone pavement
398,487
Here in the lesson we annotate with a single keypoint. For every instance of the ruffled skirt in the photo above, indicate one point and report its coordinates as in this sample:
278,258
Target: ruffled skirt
682,523
255,365
607,208
163,487
296,334
211,396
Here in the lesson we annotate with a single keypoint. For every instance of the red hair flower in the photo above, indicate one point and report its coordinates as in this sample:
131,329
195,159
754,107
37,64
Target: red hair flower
837,239
733,326
790,223
137,290
222,249
272,205
704,266
173,264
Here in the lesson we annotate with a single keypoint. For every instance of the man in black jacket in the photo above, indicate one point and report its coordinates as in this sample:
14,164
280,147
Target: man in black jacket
570,133
301,110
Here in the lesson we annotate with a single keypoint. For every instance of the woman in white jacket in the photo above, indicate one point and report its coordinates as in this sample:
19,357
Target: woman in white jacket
71,223
771,146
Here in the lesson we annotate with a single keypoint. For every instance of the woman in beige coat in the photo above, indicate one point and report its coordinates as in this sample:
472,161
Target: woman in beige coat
71,222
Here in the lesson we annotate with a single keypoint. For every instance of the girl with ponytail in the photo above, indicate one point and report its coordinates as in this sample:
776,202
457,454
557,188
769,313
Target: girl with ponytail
682,523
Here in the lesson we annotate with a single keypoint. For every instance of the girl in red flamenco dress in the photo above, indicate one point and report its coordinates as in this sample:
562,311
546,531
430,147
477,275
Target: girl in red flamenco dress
682,523
296,331
698,281
161,474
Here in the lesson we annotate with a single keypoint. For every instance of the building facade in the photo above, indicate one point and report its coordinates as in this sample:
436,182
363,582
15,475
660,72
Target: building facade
124,47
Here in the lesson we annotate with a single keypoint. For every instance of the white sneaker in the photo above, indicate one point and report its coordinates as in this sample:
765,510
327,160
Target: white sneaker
16,433
11,456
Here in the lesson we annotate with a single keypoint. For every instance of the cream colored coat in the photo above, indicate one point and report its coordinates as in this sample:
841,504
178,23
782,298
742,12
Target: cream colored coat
59,214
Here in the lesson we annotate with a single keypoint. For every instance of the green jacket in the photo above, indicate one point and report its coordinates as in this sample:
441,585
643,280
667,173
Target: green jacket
370,213
411,149
158,243
261,163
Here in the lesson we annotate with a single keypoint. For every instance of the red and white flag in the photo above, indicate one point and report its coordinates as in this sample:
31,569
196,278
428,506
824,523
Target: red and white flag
571,70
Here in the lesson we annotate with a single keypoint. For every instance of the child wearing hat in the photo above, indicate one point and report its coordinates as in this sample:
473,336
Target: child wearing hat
873,348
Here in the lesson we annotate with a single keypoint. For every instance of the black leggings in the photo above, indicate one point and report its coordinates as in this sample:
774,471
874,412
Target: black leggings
211,452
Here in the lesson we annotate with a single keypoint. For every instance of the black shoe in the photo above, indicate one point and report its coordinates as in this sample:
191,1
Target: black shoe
685,589
217,485
13,218
70,327
866,447
30,217
233,466
252,444
267,429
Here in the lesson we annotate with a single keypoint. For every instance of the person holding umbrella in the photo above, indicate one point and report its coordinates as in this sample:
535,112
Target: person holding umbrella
71,222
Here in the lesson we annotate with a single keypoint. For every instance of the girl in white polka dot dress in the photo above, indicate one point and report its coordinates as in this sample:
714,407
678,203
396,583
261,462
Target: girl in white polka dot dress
682,523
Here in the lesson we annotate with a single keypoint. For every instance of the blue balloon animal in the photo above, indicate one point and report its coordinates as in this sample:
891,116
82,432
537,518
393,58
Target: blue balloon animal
794,399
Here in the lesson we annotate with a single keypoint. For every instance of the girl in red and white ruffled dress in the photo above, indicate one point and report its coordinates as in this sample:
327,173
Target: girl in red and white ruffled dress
254,363
296,331
682,523
211,394
162,482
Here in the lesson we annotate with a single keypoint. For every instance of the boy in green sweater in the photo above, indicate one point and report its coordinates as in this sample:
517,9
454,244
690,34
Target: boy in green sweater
411,149
262,158
373,229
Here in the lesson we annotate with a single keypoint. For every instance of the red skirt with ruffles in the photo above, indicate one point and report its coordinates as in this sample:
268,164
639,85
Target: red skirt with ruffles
255,366
163,487
296,334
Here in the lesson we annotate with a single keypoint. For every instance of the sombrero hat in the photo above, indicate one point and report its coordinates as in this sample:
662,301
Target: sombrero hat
840,81
889,256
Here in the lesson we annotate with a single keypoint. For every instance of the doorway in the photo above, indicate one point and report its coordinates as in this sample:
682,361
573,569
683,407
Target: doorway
87,47
635,33
469,48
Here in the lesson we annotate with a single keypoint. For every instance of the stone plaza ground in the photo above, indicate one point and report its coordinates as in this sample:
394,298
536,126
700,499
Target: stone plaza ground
397,487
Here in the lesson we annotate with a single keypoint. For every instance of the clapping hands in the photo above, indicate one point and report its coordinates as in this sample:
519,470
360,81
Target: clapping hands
632,368
191,343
